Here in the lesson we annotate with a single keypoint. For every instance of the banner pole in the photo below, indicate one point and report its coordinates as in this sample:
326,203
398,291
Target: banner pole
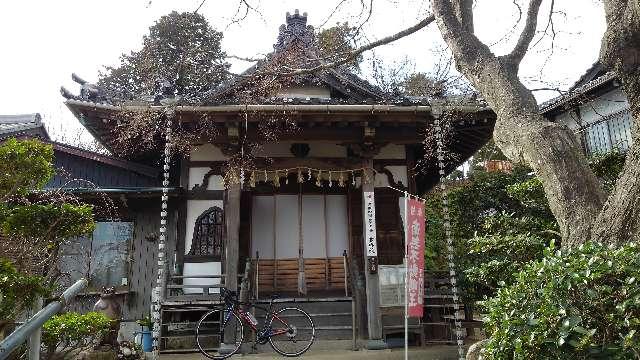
406,278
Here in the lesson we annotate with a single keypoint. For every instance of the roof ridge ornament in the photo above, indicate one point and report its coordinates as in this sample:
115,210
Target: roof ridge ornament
295,29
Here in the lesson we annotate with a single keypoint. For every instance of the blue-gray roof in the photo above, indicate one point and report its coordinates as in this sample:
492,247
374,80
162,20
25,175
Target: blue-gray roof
22,124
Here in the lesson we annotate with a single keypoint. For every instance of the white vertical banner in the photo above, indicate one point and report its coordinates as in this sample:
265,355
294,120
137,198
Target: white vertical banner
370,223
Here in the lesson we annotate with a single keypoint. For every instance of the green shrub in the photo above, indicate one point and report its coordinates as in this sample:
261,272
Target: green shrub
17,291
582,303
73,331
495,260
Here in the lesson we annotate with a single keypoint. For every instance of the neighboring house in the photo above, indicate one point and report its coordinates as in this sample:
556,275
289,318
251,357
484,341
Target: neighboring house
126,196
22,126
298,216
596,109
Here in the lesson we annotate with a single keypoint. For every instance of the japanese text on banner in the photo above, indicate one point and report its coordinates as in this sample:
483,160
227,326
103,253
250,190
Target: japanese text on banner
415,255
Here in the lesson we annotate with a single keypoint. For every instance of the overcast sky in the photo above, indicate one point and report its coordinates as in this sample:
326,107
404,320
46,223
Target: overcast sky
44,41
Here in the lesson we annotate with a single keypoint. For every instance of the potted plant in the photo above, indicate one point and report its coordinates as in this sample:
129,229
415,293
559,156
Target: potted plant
146,338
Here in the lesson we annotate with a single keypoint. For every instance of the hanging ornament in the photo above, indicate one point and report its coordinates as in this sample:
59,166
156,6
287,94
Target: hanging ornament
367,179
330,181
266,178
318,182
308,173
353,178
252,179
276,179
300,177
286,176
341,179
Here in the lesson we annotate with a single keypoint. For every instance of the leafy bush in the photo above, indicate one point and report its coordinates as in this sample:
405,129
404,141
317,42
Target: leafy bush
495,260
74,331
577,304
17,291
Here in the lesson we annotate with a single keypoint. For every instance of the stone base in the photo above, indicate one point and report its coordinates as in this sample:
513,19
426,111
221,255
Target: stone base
226,348
375,344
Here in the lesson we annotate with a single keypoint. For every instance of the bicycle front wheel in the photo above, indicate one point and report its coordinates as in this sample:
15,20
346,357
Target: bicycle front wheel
219,334
292,332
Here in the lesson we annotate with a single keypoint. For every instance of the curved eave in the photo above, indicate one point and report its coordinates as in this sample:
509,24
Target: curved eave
76,105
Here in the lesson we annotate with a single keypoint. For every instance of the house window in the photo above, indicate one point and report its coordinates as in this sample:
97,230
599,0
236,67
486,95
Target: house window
101,257
208,234
611,132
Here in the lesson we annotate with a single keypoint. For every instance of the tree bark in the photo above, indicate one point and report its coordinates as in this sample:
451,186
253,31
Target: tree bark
573,191
619,220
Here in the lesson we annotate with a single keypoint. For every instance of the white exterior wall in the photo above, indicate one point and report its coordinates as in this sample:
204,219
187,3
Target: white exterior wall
600,135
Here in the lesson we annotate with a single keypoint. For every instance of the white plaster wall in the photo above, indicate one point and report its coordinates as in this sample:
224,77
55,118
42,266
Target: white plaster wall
201,269
196,175
593,110
305,92
320,149
287,227
600,134
194,209
313,226
262,227
319,241
207,152
392,151
399,174
337,229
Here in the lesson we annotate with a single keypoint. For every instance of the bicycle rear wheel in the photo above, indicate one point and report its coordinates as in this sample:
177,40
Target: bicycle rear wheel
292,332
219,334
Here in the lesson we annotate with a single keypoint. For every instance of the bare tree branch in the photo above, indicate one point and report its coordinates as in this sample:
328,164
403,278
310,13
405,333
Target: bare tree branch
527,34
344,58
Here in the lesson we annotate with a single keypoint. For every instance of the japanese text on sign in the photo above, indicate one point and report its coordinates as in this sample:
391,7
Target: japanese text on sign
415,254
370,223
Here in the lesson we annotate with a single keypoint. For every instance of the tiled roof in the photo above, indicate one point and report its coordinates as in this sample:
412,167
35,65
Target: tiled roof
15,125
577,90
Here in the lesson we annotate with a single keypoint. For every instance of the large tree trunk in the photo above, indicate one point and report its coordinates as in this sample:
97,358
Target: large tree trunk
574,193
619,221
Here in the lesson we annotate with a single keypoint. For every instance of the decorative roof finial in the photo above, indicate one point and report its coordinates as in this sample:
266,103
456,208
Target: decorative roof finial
296,28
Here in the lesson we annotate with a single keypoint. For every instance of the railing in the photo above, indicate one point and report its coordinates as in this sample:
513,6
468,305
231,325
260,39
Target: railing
194,287
20,335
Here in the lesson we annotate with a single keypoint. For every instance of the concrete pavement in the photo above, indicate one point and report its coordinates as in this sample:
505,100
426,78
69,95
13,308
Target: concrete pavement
440,352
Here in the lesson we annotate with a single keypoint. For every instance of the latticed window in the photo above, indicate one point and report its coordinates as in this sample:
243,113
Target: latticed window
208,234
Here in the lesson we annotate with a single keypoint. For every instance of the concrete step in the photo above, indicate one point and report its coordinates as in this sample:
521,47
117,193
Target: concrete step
332,319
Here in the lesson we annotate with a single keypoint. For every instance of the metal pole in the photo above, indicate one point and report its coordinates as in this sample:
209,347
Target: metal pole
20,335
36,336
406,278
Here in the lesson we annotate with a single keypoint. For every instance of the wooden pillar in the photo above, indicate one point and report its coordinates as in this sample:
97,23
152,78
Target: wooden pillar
232,250
374,317
232,246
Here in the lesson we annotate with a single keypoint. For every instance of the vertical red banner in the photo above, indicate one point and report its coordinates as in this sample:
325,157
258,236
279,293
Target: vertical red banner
415,254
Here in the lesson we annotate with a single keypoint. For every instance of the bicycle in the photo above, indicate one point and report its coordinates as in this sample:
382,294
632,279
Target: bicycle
285,326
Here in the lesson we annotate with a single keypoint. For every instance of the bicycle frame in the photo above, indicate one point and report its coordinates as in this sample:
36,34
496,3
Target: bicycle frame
268,319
